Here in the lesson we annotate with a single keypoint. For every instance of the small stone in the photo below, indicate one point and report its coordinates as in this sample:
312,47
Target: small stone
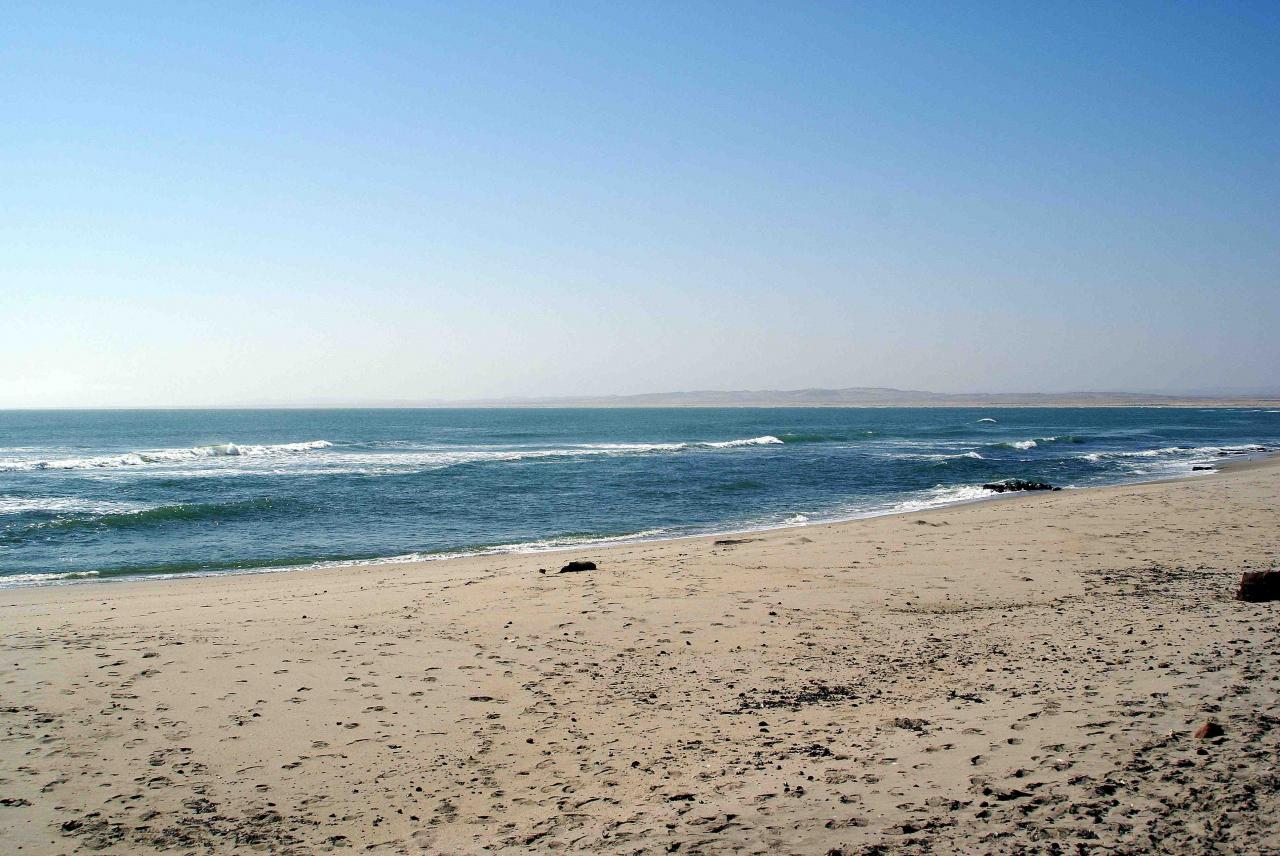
1208,729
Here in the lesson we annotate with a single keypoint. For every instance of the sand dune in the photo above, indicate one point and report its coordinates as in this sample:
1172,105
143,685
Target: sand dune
1021,675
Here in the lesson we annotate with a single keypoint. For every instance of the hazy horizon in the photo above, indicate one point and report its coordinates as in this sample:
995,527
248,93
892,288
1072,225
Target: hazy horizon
211,207
746,398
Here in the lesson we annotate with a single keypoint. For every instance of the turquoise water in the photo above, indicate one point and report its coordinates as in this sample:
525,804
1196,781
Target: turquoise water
99,494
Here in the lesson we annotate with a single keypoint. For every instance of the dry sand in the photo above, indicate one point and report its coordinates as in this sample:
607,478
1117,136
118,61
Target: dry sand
1021,675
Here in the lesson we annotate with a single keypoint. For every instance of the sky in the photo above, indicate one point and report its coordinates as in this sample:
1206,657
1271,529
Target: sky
216,204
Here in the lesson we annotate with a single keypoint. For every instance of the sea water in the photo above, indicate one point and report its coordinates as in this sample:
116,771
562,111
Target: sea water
112,494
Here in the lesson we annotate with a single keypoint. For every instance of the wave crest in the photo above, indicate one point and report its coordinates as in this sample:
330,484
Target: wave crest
165,456
767,440
1171,451
18,580
155,516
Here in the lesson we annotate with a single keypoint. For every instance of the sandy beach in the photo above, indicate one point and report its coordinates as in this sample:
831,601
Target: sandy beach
1018,675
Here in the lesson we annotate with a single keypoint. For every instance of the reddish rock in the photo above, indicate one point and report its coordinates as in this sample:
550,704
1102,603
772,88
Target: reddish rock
1207,729
1257,586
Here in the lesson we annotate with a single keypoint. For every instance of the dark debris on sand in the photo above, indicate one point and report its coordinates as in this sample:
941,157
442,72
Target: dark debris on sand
795,699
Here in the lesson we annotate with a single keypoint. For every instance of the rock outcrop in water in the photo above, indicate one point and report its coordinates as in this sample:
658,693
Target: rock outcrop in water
1258,586
1018,484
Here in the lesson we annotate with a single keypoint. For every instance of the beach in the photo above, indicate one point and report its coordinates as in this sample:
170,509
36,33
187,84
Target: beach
1022,674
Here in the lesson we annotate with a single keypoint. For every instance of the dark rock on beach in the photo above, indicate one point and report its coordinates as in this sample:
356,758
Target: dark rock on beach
577,567
1208,730
1018,484
1258,586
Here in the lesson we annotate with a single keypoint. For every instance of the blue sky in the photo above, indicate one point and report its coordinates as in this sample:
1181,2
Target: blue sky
227,203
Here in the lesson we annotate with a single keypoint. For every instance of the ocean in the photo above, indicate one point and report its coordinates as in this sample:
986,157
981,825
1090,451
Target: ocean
95,495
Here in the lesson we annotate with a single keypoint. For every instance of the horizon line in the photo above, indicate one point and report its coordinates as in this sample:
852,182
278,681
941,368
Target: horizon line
816,397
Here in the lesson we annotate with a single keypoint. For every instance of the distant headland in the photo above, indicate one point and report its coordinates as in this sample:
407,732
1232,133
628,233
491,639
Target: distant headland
856,396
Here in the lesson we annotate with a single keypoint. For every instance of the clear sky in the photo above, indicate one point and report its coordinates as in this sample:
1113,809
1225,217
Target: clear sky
230,203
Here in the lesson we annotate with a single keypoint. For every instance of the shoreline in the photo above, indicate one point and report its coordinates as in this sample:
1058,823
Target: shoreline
90,577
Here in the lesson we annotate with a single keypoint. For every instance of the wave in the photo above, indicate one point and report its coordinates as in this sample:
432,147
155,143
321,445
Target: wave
154,516
1169,451
16,580
560,542
199,569
813,438
1023,445
940,458
165,456
64,505
986,419
941,495
367,462
595,448
767,440
440,458
741,485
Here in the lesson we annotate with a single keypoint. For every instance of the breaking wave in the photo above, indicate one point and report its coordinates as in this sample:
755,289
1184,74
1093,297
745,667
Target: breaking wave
367,461
752,441
165,456
942,495
16,580
813,438
64,505
1023,445
156,516
1175,451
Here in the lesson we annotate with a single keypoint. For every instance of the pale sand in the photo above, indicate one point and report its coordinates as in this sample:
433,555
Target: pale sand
1011,676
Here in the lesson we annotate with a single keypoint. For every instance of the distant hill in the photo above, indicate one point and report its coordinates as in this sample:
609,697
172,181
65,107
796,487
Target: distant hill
864,396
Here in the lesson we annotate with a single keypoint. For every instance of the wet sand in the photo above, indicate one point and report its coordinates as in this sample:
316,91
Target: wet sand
1020,675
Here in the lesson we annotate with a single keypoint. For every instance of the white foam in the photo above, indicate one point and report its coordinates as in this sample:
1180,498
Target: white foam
66,505
942,495
751,441
18,580
343,461
377,462
796,519
618,447
163,456
943,457
1169,451
1023,444
546,544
